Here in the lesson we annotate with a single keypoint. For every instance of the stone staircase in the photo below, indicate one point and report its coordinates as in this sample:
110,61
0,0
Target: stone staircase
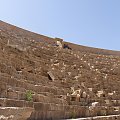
62,83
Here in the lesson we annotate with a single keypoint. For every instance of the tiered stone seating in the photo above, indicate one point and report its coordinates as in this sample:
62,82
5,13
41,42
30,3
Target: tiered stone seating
63,82
14,113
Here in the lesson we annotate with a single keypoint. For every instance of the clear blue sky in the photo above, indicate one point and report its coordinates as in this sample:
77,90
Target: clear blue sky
93,23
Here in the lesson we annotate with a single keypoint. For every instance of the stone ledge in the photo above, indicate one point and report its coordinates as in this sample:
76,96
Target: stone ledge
110,117
15,113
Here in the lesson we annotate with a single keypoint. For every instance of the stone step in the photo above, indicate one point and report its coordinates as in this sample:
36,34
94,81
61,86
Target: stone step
4,102
48,115
109,117
78,111
48,99
42,97
105,102
36,79
110,102
28,86
15,113
54,90
22,103
47,111
3,87
12,94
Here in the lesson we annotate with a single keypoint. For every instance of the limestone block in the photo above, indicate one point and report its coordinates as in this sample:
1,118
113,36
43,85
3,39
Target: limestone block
3,94
73,97
3,89
14,103
46,115
110,110
12,95
59,44
103,111
21,96
41,106
51,75
116,110
100,93
38,98
11,113
107,102
68,99
74,103
90,89
2,86
94,104
2,102
29,104
84,95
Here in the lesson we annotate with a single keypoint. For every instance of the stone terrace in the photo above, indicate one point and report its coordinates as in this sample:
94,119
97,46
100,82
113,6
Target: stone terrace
61,82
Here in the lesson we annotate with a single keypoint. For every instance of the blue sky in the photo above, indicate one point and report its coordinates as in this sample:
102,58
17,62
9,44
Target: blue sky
94,23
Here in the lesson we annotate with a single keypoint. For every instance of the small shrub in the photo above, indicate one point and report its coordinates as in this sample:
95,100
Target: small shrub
29,96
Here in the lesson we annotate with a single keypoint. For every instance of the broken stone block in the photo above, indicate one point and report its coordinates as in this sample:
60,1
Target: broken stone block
110,94
72,90
94,104
100,93
90,89
73,97
18,47
78,98
107,102
51,76
84,95
59,44
82,84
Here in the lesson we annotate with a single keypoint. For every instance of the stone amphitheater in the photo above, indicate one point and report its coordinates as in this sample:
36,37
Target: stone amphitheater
44,78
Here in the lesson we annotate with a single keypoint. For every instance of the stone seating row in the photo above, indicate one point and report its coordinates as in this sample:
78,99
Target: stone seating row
15,113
